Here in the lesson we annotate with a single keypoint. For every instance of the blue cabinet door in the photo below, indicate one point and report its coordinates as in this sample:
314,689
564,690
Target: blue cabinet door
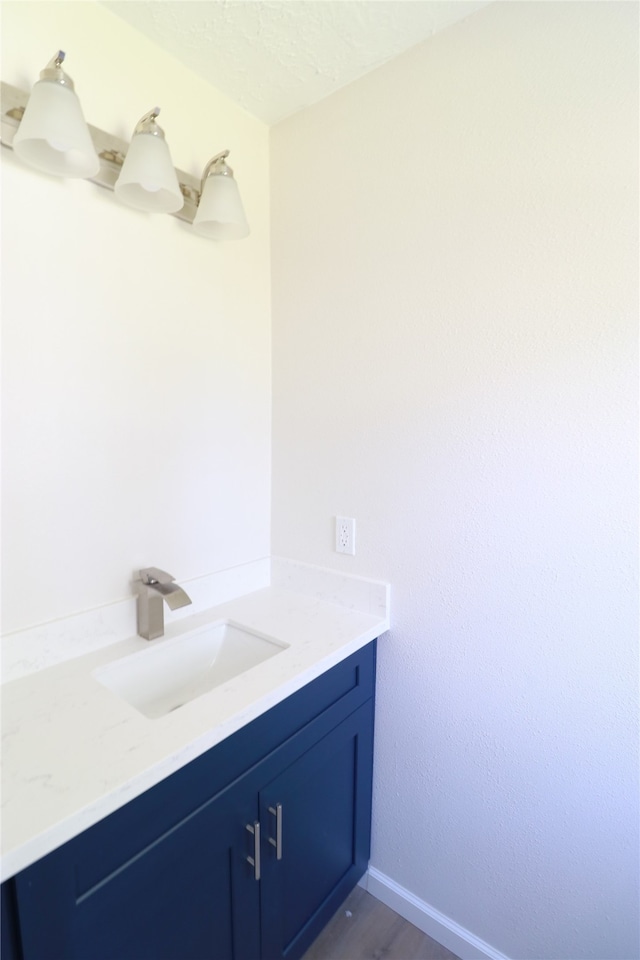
189,895
323,800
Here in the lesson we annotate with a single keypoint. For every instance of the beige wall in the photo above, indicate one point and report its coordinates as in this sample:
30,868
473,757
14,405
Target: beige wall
454,245
136,356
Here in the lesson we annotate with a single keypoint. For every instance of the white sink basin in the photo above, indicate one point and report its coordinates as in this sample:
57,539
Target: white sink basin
172,672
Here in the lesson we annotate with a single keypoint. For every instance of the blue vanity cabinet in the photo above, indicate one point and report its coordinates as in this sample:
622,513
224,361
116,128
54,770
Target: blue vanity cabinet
174,875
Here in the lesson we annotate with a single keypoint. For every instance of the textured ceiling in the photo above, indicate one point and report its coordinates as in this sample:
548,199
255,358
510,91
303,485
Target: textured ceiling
274,57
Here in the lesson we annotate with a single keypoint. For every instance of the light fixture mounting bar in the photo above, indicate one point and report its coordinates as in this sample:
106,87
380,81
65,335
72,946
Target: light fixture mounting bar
111,151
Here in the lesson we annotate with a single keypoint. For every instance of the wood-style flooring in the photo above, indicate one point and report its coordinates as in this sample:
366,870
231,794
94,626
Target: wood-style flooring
366,929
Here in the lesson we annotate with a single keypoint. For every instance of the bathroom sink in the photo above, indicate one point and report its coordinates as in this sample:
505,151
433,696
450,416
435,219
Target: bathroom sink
173,672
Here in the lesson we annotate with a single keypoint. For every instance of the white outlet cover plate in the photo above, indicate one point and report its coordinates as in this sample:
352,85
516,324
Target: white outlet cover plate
346,535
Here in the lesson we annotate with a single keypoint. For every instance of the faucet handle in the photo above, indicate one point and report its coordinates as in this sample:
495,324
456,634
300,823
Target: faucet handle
154,575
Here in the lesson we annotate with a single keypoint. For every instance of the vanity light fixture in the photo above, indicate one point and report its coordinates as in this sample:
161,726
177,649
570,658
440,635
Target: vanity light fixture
220,214
48,131
148,179
53,135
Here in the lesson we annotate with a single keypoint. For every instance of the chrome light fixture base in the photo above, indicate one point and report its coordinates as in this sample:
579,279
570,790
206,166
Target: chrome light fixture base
54,72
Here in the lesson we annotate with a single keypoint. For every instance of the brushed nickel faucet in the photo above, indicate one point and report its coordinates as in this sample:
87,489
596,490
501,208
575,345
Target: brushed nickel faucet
154,587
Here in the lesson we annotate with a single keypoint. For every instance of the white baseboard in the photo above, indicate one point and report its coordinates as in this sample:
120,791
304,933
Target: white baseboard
422,915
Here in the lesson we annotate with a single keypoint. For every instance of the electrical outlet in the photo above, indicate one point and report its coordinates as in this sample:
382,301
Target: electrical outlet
346,535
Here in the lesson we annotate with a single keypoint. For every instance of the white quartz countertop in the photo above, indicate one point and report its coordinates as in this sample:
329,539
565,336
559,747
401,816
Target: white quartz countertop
73,752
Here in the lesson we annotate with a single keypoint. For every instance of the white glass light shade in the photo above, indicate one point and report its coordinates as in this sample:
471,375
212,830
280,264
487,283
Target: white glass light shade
53,135
220,214
148,179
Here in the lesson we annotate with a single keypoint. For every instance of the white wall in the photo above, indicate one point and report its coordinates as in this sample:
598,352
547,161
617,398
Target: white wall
454,247
136,356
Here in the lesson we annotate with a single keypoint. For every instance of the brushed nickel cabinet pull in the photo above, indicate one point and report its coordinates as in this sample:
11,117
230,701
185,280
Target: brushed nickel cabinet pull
255,859
277,843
